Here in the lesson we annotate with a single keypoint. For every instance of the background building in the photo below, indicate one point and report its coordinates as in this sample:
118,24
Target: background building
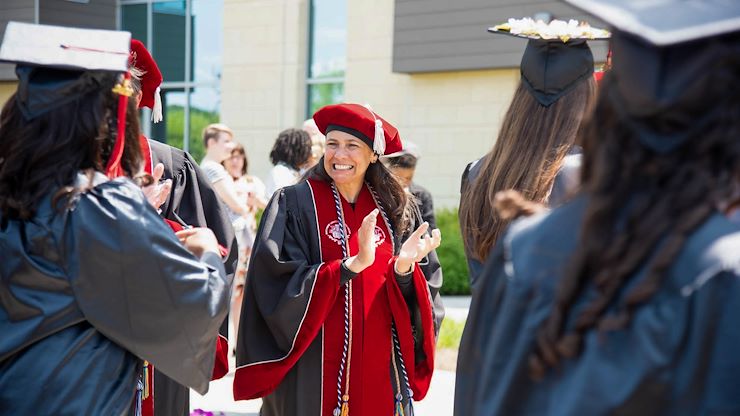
261,66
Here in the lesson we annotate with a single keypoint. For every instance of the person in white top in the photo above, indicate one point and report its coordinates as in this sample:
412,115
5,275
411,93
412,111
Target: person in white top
250,191
290,154
219,142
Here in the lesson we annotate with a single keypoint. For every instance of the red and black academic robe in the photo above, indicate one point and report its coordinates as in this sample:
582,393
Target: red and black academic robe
192,201
291,330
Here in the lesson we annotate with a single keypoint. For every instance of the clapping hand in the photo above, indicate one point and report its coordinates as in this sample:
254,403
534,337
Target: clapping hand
157,193
416,247
198,240
366,241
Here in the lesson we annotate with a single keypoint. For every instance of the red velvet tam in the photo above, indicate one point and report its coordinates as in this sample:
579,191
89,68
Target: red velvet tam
150,80
361,122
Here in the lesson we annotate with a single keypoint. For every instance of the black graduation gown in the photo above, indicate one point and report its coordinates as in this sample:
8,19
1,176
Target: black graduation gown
284,280
87,293
425,203
194,202
678,356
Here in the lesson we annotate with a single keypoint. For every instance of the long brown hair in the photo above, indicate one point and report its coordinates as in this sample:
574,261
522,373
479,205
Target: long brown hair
395,201
529,151
42,156
642,207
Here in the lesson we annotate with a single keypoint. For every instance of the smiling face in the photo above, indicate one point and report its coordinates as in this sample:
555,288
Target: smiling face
346,158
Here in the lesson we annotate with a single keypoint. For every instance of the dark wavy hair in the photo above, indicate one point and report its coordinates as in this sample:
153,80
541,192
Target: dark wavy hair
292,147
526,157
642,207
43,155
396,203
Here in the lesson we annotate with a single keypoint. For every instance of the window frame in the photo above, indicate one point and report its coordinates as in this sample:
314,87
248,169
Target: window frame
310,80
190,83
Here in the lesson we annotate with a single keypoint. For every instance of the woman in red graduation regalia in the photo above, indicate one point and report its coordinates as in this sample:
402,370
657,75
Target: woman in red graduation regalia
342,306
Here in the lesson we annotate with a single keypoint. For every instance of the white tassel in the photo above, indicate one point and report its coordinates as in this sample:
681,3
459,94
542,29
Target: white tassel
157,110
379,140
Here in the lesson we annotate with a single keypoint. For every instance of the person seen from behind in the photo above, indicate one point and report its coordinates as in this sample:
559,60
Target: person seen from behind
403,166
625,299
289,155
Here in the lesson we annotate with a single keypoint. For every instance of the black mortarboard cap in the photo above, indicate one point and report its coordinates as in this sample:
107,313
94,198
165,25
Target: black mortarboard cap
675,61
54,62
557,56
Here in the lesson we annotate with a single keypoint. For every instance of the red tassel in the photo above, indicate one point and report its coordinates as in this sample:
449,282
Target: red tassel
114,169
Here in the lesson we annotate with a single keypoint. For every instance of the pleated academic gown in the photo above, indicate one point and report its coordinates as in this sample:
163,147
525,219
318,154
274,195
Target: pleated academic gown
193,202
89,292
292,325
677,356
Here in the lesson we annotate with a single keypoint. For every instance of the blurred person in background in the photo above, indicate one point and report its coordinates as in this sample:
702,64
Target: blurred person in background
290,154
251,191
318,143
403,165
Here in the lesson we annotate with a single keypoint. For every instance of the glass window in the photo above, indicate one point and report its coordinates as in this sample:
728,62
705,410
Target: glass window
328,38
327,53
133,19
169,39
323,94
171,129
204,110
207,40
187,43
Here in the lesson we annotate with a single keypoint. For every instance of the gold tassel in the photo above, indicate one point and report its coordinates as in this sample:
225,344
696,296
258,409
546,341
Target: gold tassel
147,369
345,405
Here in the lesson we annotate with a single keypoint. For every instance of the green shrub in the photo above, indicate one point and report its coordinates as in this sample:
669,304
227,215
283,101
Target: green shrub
450,334
199,119
452,254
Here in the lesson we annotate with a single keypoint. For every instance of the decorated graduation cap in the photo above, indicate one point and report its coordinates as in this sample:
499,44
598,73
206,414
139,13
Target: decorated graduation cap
151,79
56,65
362,122
557,56
673,64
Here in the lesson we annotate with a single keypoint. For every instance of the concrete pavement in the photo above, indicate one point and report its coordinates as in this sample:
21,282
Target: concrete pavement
438,402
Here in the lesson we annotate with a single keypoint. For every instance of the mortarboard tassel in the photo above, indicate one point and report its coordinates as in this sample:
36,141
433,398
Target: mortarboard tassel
157,109
124,90
379,140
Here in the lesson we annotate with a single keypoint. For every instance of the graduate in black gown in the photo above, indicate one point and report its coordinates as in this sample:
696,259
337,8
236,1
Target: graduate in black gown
535,152
190,201
93,281
625,300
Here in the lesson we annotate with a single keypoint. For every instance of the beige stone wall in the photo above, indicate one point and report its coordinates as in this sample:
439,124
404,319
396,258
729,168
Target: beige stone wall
453,117
264,67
